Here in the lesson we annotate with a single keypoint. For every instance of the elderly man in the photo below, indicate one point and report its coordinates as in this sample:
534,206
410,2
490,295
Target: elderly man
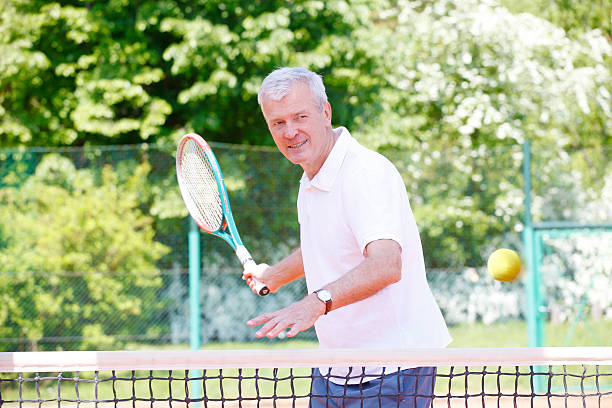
360,250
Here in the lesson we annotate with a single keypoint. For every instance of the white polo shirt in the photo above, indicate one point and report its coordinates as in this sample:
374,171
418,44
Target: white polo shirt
357,197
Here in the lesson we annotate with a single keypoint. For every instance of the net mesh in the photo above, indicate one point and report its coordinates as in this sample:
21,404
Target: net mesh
451,378
199,187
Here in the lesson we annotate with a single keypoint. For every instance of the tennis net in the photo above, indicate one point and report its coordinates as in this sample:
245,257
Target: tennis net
488,377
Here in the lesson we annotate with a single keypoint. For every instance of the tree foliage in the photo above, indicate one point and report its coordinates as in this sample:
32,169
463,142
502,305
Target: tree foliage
107,72
467,83
439,79
448,89
574,16
81,224
103,72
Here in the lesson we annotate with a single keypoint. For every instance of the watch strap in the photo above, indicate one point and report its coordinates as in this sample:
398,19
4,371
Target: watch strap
327,302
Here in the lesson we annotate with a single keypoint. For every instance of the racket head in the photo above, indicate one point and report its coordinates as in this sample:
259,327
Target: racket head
201,183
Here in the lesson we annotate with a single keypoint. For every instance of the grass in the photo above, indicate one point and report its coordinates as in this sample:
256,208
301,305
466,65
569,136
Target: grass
514,334
508,334
235,383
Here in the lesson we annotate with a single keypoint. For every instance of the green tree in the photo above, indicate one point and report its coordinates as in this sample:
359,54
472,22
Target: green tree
574,16
442,80
78,256
468,82
102,72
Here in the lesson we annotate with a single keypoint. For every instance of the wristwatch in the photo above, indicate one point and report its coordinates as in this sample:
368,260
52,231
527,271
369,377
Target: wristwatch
325,297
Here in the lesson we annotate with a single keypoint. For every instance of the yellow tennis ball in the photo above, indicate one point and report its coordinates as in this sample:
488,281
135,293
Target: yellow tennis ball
504,264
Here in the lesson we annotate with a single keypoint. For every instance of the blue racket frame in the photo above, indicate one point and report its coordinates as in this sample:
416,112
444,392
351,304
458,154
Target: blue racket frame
228,231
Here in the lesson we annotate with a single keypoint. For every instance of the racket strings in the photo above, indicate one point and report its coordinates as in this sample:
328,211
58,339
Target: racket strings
202,186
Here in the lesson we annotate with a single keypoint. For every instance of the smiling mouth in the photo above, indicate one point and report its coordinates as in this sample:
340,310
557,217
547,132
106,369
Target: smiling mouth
297,146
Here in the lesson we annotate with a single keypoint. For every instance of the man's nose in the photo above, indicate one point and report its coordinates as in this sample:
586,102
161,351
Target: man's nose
291,131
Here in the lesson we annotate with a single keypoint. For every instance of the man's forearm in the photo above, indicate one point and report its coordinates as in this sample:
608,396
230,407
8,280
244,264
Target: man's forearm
285,271
381,267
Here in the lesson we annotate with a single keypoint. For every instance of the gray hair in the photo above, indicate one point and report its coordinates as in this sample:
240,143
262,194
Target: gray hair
279,82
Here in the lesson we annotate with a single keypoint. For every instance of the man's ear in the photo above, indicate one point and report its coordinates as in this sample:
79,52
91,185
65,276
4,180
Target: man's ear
327,111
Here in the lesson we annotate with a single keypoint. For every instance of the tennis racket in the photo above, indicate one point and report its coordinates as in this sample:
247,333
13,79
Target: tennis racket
203,190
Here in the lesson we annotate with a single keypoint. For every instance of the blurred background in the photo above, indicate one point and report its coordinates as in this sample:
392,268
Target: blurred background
94,96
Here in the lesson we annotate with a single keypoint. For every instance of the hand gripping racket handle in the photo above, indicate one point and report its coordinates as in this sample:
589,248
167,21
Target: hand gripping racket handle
245,258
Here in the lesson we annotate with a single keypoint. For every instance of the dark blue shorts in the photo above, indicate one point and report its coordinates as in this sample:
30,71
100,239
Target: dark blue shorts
411,388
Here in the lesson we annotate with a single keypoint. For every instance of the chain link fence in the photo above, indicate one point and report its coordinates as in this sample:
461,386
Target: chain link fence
93,241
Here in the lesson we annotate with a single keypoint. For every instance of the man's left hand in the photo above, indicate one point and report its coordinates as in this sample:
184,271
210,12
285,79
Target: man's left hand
297,317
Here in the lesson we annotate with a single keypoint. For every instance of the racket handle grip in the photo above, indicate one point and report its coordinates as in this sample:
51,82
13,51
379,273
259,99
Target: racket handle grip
245,258
260,287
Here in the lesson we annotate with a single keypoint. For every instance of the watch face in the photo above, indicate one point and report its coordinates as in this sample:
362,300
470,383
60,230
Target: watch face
324,295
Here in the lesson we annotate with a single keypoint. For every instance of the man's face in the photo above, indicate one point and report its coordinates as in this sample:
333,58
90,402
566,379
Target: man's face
302,132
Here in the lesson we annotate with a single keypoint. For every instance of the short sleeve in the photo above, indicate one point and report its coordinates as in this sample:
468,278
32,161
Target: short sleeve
374,197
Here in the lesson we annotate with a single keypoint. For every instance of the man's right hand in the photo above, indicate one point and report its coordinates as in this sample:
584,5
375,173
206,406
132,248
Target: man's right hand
257,271
287,270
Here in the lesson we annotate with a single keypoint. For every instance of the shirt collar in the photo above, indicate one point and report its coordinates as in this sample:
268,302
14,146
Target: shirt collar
324,179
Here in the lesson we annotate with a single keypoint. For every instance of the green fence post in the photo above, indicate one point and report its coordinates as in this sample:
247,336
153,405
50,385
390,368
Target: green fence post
532,286
539,306
528,246
194,301
531,289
